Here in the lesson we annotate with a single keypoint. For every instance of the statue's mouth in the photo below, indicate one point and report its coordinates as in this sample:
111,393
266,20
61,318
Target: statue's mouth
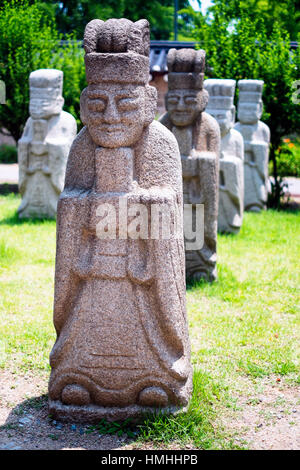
182,113
111,129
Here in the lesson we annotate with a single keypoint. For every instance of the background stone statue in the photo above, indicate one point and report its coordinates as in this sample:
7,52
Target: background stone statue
231,177
44,146
198,136
256,136
122,343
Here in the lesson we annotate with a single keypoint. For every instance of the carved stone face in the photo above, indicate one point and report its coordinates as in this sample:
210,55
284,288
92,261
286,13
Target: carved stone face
116,114
184,106
44,104
249,113
225,118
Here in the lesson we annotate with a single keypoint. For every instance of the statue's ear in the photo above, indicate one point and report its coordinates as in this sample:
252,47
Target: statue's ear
203,99
260,109
150,104
233,114
59,104
166,101
61,101
83,106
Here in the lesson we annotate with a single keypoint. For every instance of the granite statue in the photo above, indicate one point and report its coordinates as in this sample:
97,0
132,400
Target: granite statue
231,176
44,146
122,345
256,136
198,136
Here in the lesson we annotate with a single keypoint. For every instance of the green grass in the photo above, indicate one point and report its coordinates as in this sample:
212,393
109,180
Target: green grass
27,251
244,328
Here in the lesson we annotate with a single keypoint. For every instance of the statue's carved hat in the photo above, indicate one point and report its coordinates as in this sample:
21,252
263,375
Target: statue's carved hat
47,82
117,51
221,93
186,69
250,91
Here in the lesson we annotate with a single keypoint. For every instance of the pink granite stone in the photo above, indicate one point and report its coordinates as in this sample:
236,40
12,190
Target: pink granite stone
198,136
122,345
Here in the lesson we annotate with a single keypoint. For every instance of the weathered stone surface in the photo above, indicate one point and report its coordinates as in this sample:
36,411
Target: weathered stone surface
198,136
44,146
231,178
122,343
256,136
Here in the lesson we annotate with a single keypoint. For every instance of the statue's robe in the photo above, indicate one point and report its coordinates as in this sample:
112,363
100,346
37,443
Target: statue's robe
129,295
256,157
199,147
231,183
42,155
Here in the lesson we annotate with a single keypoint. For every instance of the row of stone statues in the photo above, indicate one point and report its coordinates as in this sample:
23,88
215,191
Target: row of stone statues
243,161
214,174
243,166
122,345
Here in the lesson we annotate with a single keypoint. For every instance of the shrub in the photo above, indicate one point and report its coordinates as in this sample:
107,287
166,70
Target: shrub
288,159
70,59
8,154
242,49
29,41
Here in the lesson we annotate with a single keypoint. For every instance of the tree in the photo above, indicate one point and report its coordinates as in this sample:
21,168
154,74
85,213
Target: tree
246,49
285,13
29,41
73,15
26,44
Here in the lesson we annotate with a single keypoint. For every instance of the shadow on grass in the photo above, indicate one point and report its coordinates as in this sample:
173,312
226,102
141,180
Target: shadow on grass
7,189
196,426
15,220
192,284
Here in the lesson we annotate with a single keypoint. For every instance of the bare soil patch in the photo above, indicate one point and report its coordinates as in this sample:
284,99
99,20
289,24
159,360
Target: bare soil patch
268,420
25,423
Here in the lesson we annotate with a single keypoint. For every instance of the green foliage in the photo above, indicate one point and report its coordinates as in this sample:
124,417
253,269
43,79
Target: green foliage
286,13
29,41
8,154
288,159
244,48
70,59
73,15
278,190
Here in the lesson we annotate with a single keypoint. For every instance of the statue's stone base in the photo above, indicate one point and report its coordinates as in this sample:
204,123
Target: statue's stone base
93,413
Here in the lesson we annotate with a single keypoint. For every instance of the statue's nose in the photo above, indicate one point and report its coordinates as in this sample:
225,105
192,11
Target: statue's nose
111,114
181,105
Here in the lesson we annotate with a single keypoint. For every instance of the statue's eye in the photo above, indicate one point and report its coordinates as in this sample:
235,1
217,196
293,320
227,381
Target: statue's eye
190,100
173,100
125,104
98,104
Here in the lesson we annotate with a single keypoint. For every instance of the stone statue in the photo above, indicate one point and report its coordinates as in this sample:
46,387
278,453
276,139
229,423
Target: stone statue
44,146
231,176
198,136
256,144
122,343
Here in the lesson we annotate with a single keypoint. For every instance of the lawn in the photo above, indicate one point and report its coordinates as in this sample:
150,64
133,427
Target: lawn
244,328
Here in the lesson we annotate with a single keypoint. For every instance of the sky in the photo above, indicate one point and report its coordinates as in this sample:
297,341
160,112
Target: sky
204,5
